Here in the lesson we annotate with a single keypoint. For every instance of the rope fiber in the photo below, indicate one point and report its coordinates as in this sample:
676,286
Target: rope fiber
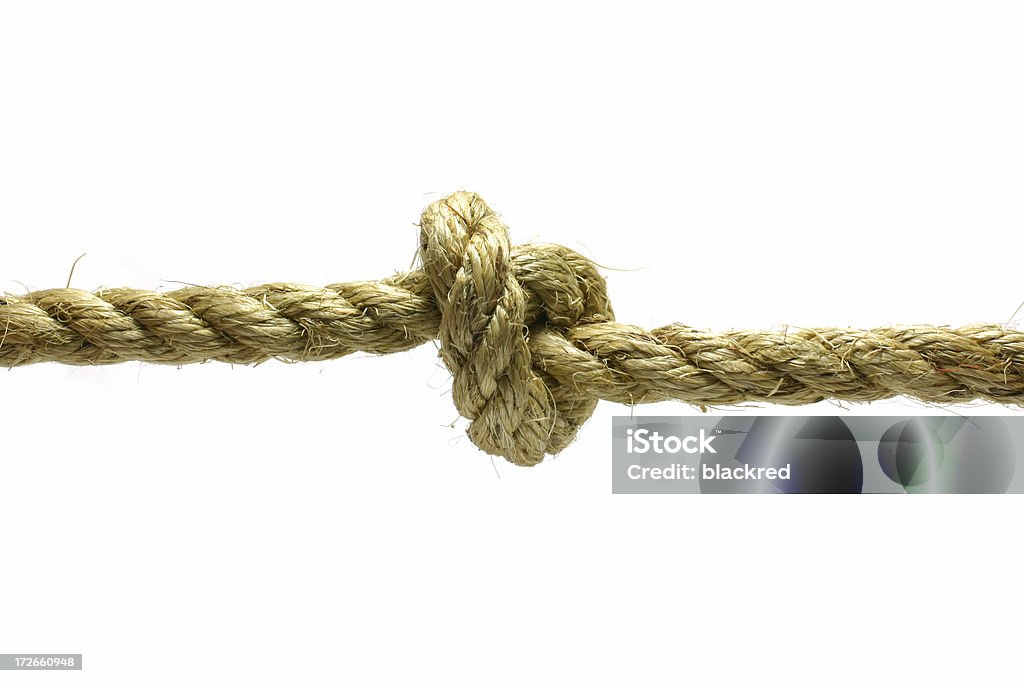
527,332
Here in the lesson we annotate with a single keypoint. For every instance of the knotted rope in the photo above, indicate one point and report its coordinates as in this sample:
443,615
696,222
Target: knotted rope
527,333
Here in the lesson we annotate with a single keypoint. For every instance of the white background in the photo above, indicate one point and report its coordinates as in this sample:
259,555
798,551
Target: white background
730,164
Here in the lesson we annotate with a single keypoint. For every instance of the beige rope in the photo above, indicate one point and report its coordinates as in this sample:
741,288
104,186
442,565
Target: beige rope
527,332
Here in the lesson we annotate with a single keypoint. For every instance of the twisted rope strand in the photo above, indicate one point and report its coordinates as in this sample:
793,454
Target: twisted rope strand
625,364
528,333
279,320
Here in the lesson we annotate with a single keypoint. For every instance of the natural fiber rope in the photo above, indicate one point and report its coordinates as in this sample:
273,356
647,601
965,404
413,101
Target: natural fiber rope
527,332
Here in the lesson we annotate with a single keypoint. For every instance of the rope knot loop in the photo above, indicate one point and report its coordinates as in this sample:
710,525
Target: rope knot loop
491,298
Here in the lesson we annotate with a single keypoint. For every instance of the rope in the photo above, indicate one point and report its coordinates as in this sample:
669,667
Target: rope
527,333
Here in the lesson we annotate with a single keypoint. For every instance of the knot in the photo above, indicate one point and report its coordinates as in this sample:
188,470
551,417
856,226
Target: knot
492,297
